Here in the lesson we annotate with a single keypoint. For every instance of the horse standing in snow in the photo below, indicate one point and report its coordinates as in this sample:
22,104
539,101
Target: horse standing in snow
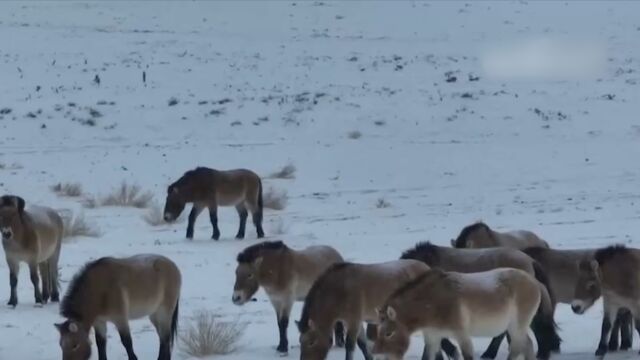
613,272
459,306
210,188
286,275
116,290
480,235
33,236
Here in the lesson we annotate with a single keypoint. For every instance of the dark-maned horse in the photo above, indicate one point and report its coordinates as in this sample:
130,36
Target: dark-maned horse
286,275
562,269
479,260
116,290
613,272
33,236
480,235
210,188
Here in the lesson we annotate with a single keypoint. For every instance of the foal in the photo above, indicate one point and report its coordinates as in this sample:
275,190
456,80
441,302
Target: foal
286,276
562,269
211,188
116,290
33,236
456,305
349,293
478,260
480,235
614,272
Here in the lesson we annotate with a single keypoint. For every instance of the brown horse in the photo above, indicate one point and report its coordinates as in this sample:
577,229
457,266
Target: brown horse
460,306
479,260
116,290
211,188
562,269
349,293
480,235
285,274
613,272
33,236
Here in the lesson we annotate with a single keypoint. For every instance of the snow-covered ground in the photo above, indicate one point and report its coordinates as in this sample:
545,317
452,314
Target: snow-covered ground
554,153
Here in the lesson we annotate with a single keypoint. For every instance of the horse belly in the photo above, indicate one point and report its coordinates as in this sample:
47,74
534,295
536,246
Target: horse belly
488,323
143,307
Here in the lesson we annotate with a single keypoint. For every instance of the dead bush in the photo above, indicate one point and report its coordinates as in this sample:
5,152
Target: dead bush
127,195
382,203
275,199
354,134
77,225
287,172
67,189
206,335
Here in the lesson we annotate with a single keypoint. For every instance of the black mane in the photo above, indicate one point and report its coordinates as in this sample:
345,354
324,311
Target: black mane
607,253
461,241
424,251
249,254
303,324
74,296
187,176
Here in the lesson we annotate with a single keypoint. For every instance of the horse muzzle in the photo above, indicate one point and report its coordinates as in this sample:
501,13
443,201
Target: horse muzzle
238,298
7,234
578,307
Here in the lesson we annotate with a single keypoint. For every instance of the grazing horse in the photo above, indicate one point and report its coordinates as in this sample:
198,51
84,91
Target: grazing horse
479,260
459,306
349,293
33,236
562,269
116,290
613,272
211,188
286,275
480,235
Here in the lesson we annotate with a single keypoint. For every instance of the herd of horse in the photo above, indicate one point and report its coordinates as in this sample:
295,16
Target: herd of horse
487,284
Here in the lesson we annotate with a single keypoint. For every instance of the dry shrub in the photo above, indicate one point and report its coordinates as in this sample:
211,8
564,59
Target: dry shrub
275,199
67,189
206,335
354,134
382,203
78,226
287,172
126,195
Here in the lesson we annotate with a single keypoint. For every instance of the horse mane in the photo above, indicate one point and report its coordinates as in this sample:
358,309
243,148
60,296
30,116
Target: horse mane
607,253
188,175
461,241
316,288
424,251
251,253
74,295
433,273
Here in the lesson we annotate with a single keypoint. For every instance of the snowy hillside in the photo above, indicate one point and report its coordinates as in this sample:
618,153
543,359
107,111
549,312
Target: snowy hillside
374,103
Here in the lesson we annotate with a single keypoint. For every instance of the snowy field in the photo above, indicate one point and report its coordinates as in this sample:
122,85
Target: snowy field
360,97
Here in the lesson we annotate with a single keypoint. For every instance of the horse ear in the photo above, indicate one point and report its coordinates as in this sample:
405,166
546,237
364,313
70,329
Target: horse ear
20,204
453,242
312,324
257,262
391,313
594,266
59,326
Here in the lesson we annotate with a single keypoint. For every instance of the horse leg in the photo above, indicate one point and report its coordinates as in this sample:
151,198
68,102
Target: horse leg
125,337
14,269
350,343
213,216
256,216
431,349
283,311
626,329
46,281
35,280
615,330
494,346
243,213
338,334
52,263
609,312
361,342
195,211
100,328
466,346
162,323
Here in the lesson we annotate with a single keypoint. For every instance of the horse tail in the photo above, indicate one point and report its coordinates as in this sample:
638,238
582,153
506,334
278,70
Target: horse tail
174,324
543,325
260,202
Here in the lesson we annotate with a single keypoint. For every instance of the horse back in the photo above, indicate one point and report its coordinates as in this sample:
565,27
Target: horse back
520,239
236,186
306,266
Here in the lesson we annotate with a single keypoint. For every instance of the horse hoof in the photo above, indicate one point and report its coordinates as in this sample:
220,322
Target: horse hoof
600,352
13,304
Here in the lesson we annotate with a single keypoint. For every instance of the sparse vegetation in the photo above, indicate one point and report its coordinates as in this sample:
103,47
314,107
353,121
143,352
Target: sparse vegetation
75,226
275,199
287,172
382,203
379,122
126,195
67,189
354,134
173,101
206,335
